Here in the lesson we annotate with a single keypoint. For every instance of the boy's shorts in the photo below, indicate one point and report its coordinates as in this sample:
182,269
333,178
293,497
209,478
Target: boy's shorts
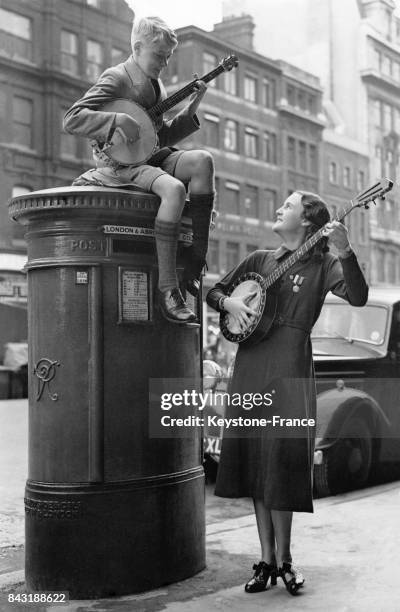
142,177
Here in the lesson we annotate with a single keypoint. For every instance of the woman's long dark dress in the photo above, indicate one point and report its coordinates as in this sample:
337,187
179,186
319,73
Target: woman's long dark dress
266,465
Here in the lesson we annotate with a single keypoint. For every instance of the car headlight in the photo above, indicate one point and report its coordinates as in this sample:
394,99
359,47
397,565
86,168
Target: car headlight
318,457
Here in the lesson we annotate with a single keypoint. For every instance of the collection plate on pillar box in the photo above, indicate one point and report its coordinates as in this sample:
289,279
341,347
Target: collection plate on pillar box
134,295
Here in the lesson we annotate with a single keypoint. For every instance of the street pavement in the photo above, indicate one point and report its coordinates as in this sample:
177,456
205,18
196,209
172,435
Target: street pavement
348,551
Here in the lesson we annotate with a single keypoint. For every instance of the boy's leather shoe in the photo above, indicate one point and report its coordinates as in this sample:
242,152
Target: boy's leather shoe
192,272
173,306
193,286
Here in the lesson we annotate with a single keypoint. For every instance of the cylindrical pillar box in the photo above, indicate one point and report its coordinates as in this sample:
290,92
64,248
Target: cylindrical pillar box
110,510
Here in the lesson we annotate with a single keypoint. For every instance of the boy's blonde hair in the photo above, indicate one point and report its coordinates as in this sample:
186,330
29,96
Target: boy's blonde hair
151,30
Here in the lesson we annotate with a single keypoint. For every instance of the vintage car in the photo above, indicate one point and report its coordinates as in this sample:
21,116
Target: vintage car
357,363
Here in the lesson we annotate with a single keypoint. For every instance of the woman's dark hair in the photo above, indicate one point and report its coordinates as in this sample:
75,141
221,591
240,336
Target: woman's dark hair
317,213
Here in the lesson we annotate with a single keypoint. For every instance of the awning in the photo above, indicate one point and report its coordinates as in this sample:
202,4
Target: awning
12,261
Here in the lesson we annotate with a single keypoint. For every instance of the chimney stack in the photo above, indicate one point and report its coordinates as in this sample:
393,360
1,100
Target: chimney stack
237,29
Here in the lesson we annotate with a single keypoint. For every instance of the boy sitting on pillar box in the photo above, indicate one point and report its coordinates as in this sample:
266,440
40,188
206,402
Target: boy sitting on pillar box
167,172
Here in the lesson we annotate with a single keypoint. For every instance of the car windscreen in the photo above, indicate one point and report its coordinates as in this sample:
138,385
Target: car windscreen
367,324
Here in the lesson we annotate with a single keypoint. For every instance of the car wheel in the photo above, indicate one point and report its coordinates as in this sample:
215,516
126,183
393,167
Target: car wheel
347,464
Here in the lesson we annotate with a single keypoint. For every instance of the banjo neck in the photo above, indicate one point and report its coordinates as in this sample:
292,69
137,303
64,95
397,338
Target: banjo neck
181,94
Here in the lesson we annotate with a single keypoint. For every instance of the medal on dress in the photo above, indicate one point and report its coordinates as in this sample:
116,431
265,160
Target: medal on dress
297,282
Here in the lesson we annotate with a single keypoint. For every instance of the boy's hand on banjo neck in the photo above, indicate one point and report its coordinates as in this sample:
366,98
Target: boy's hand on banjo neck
196,97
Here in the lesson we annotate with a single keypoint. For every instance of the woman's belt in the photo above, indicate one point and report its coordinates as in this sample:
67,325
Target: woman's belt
281,320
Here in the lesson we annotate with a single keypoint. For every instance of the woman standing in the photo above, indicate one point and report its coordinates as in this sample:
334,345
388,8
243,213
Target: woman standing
275,469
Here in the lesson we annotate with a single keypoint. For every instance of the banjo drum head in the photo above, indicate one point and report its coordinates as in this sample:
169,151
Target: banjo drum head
138,152
245,286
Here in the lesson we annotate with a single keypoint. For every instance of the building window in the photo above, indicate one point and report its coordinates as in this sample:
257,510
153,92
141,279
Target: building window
302,156
392,272
311,105
347,176
386,65
250,88
117,56
301,99
269,148
390,213
94,66
22,121
389,166
15,35
211,130
271,199
213,256
388,23
313,160
291,95
333,177
230,135
380,261
269,93
291,152
387,117
377,60
397,121
377,114
69,52
251,143
251,202
232,255
231,82
232,198
396,71
360,180
68,142
210,62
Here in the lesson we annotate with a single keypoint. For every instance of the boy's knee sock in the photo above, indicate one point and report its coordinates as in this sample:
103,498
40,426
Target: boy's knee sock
200,209
166,234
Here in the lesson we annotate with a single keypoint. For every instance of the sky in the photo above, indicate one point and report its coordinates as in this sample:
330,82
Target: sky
179,13
202,13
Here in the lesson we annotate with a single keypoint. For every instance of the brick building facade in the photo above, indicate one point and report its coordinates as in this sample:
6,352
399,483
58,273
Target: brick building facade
50,52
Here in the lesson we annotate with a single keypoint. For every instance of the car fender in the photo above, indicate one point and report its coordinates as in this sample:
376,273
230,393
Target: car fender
336,406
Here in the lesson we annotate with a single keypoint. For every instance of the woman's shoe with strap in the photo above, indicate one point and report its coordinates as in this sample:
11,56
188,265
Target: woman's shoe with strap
292,578
262,575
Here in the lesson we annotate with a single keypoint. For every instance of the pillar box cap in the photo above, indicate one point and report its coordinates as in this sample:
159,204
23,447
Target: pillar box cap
82,198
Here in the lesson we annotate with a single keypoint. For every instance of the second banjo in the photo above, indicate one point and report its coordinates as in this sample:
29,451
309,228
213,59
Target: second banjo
264,302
